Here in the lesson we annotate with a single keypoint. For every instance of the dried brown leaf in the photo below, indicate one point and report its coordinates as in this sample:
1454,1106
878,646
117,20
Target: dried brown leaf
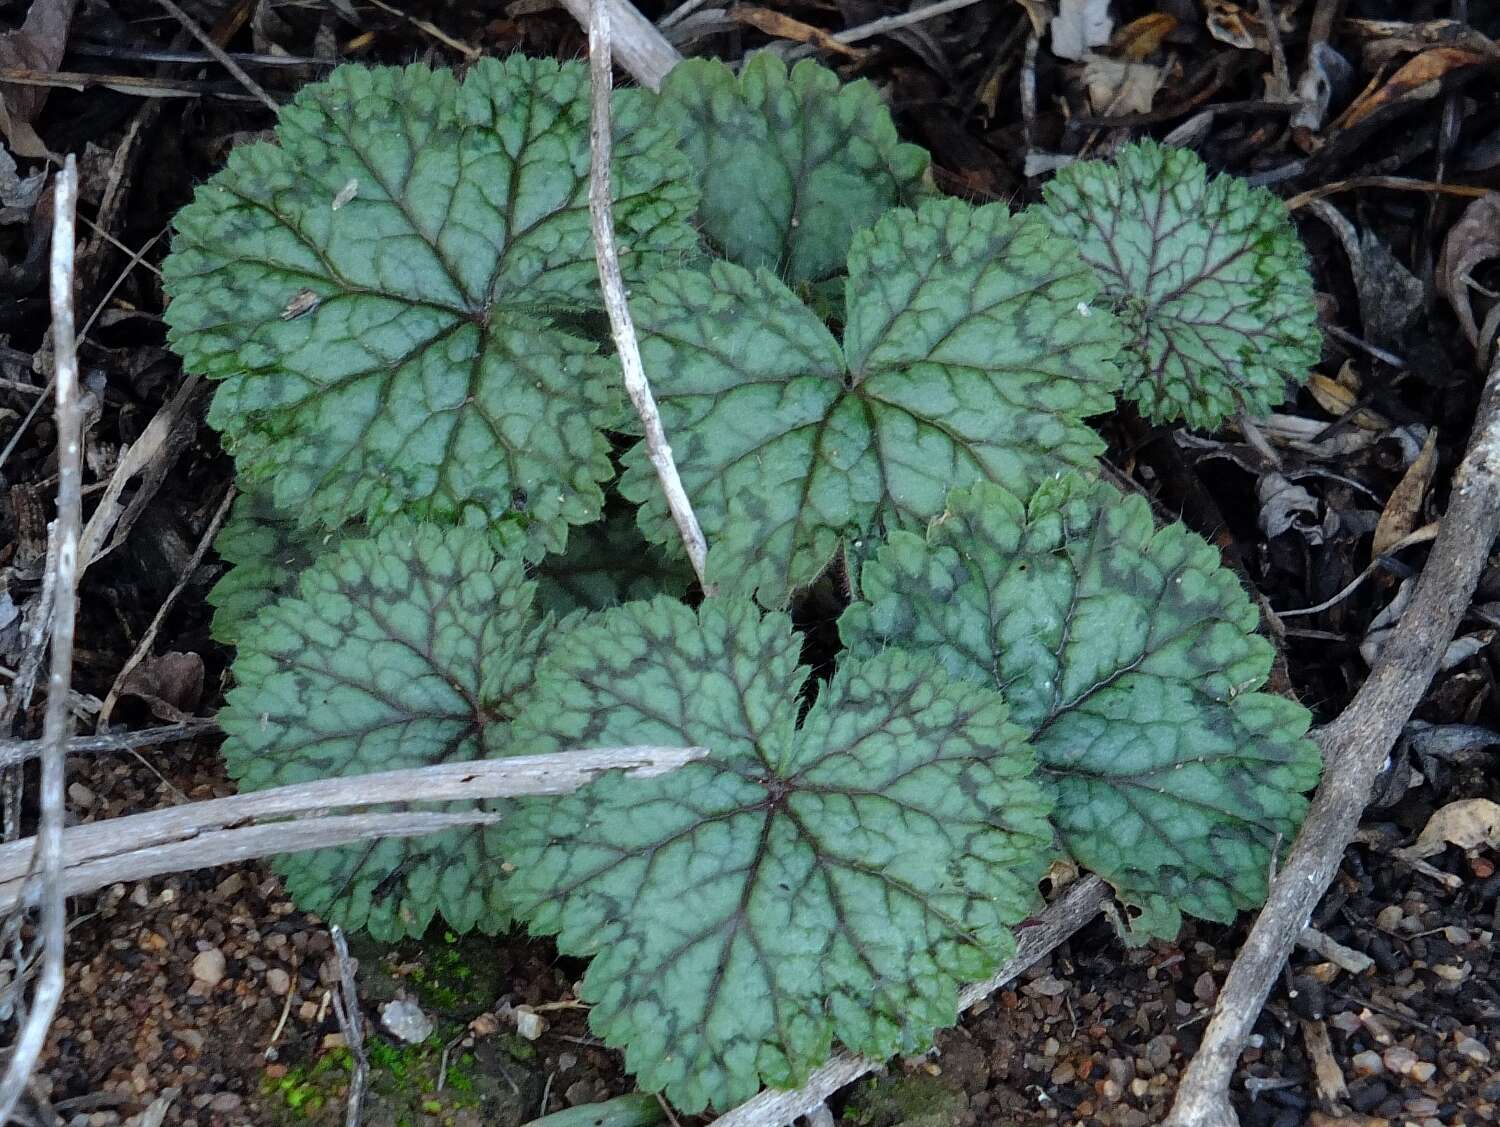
1142,38
1418,79
1470,823
38,44
1404,507
785,27
1475,238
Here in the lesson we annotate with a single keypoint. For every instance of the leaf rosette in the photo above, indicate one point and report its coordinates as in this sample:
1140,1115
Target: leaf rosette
970,352
833,877
1127,652
1207,276
390,294
405,649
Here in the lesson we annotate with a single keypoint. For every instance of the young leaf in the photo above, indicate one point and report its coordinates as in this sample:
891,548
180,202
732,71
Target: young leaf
1208,277
790,164
1127,652
834,878
402,650
970,353
378,291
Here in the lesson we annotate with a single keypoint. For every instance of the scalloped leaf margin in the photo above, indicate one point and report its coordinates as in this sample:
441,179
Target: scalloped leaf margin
1127,652
380,293
845,874
1207,275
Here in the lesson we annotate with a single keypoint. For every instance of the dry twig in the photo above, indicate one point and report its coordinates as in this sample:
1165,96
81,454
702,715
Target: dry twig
48,844
1354,747
643,52
612,283
352,1024
223,830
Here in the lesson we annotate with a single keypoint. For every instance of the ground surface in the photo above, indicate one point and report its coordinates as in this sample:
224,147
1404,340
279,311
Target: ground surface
204,998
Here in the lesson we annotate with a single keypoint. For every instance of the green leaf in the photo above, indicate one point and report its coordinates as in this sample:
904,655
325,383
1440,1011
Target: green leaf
434,233
402,650
970,353
1207,275
1128,654
834,878
608,563
267,552
790,164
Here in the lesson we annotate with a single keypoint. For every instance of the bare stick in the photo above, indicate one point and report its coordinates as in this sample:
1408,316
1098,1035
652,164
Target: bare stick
1354,747
1074,908
197,834
52,932
352,1024
234,68
601,210
643,51
143,647
13,752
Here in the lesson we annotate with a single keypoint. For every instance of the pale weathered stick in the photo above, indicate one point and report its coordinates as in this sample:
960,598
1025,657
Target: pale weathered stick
642,51
1069,912
601,211
197,822
1354,747
52,930
13,752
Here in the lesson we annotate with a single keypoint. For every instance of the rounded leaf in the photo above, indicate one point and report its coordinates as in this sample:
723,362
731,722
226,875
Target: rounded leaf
1207,276
837,878
1127,653
405,649
376,292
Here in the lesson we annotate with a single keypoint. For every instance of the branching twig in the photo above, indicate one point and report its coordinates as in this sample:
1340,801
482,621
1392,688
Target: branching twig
222,830
601,211
14,752
1074,908
1354,747
52,932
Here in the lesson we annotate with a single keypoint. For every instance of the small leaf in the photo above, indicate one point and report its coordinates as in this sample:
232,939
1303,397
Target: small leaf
1208,277
1128,654
790,164
402,650
970,353
834,878
424,370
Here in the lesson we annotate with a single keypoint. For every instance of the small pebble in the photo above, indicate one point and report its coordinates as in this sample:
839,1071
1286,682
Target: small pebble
1473,1050
1399,1059
1422,1072
1367,1063
404,1019
209,967
278,981
226,1101
1389,918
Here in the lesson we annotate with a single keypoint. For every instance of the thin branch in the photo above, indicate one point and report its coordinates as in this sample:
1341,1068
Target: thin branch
1354,747
52,931
352,1024
13,752
643,52
234,68
198,834
1079,904
601,211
